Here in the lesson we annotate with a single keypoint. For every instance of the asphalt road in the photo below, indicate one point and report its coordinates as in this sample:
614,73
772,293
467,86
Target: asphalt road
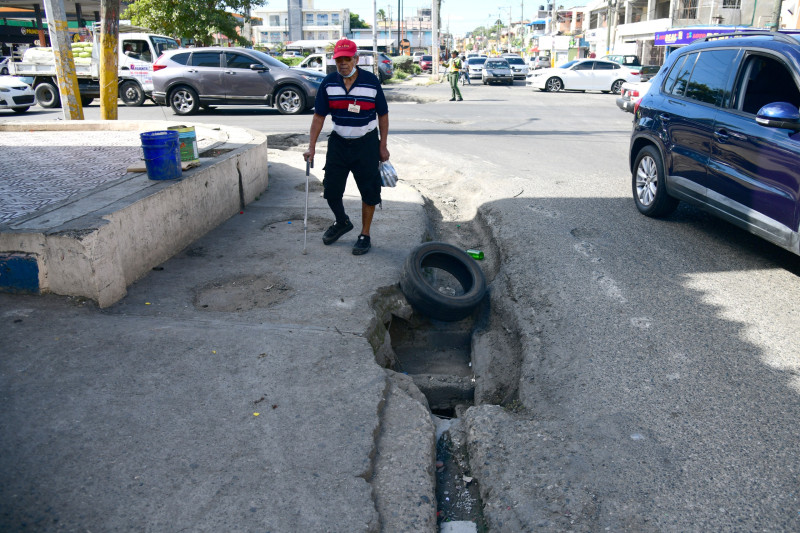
658,359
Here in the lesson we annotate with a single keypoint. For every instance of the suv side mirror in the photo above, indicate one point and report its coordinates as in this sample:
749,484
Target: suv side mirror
258,67
779,115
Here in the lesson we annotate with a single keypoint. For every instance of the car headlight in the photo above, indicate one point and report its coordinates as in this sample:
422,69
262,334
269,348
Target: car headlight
312,79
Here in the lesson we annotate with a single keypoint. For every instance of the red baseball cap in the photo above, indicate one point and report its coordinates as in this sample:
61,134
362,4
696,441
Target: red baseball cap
344,48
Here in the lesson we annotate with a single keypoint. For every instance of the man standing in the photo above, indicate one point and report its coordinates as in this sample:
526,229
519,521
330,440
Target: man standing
354,99
453,73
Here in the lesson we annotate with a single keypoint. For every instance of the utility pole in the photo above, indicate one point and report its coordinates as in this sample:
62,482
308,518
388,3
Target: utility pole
775,25
435,38
374,26
109,59
64,61
608,28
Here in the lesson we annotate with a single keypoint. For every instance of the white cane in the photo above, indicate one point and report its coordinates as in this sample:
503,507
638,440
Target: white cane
305,218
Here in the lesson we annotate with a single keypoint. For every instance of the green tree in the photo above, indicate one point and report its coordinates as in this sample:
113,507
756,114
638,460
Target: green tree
191,19
356,22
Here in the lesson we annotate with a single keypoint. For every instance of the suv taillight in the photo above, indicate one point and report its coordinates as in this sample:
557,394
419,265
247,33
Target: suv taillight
158,65
636,105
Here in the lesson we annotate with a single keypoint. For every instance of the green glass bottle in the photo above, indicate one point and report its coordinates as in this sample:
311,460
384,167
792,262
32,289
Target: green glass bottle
475,254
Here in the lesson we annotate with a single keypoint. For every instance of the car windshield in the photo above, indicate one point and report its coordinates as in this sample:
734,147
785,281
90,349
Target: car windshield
496,64
568,64
268,60
515,61
477,60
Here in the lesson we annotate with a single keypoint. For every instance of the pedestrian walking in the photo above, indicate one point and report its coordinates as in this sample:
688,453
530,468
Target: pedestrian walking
355,100
453,73
465,71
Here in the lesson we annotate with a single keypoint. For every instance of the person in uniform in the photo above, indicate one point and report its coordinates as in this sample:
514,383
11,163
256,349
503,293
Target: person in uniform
453,73
355,100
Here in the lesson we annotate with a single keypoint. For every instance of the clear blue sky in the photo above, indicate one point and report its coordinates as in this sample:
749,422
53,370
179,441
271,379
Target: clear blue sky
460,15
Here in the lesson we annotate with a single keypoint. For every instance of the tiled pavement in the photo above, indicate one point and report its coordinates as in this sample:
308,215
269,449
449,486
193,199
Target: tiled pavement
42,168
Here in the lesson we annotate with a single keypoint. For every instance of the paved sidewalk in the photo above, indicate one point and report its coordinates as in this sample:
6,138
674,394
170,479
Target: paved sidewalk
234,388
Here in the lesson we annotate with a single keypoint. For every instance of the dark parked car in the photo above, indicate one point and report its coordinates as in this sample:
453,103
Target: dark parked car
190,78
385,67
720,129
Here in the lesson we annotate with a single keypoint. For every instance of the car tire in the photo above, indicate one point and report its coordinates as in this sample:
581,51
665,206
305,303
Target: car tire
554,85
20,109
616,87
47,95
85,102
427,299
184,100
649,187
290,100
131,94
4,71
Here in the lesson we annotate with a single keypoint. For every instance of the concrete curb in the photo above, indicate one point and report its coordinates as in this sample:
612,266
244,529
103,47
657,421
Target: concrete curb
97,245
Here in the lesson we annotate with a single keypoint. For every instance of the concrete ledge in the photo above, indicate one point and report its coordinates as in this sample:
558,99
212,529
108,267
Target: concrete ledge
97,245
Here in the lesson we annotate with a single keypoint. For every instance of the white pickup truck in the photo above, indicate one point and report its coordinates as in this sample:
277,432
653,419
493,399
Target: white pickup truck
324,62
137,51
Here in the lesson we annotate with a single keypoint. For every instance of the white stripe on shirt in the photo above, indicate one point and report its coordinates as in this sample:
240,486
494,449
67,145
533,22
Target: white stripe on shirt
350,132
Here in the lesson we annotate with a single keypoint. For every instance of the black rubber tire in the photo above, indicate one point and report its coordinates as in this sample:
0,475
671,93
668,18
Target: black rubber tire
429,301
47,95
183,100
616,87
647,181
131,94
4,72
86,101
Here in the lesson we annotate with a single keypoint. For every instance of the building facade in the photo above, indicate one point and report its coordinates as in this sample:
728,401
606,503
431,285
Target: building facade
299,22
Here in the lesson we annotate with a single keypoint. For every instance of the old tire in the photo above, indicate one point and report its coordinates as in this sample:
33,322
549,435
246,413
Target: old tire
47,95
425,298
649,188
131,94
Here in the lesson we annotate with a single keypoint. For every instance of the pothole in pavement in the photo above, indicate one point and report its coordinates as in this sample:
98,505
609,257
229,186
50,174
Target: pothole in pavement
286,141
242,293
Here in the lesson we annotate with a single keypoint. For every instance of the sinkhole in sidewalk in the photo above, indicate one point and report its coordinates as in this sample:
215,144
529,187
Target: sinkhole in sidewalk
438,356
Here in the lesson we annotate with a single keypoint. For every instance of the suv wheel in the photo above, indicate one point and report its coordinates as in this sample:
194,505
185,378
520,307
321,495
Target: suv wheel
553,85
649,190
184,101
290,101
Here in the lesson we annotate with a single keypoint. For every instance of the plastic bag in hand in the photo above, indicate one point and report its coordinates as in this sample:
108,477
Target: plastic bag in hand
388,174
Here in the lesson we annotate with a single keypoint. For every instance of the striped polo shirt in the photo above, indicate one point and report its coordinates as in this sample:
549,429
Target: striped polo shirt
333,99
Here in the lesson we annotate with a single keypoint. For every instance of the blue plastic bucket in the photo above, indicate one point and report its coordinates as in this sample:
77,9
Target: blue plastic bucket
162,154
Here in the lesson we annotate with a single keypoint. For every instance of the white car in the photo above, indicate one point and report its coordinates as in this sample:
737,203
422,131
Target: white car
631,94
475,66
15,94
518,67
583,75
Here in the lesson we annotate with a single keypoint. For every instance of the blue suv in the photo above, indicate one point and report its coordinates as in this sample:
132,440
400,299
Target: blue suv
720,129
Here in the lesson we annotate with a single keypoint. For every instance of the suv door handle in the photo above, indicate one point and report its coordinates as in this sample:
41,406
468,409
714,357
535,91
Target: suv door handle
230,72
193,70
723,135
664,117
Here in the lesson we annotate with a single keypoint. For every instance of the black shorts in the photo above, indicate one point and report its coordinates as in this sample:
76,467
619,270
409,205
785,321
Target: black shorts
359,156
